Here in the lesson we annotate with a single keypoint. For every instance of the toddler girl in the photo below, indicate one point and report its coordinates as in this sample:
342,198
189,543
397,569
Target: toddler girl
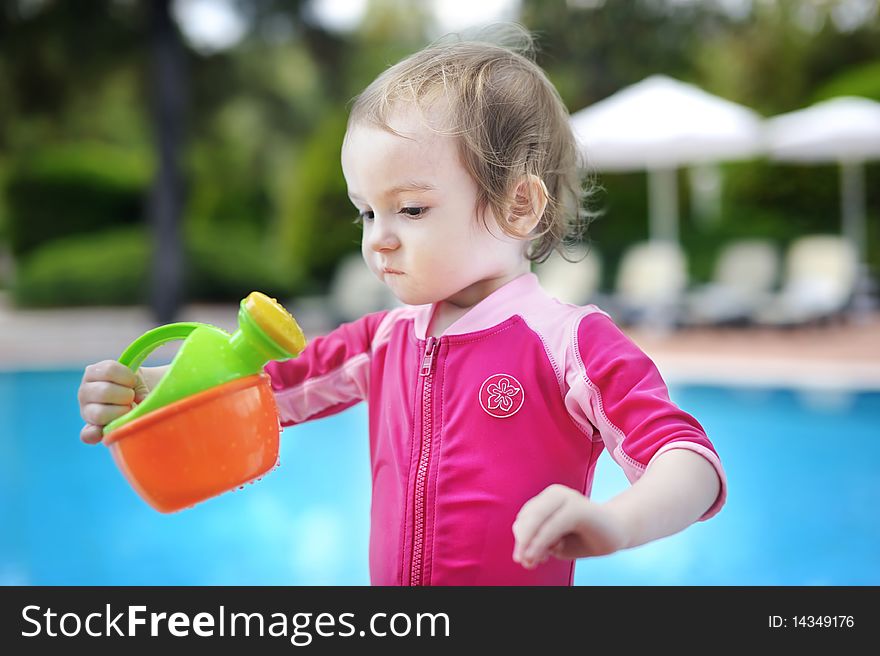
489,402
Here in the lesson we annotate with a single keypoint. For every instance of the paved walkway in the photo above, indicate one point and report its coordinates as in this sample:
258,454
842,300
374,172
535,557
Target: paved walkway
71,337
845,355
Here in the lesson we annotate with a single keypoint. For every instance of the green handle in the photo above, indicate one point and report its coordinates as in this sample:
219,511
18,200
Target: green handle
210,356
137,352
140,348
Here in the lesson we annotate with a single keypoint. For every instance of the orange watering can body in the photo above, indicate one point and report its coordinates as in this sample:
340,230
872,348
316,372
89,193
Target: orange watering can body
211,424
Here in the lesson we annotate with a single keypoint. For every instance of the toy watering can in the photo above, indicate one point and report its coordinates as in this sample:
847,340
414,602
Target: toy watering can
211,424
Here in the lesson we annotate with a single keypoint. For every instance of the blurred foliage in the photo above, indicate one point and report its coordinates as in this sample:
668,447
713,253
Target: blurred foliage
68,189
266,203
783,55
111,267
4,210
101,268
763,200
859,81
56,57
231,263
314,207
591,50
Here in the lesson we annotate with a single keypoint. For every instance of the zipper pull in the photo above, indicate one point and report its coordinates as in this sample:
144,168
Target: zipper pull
428,361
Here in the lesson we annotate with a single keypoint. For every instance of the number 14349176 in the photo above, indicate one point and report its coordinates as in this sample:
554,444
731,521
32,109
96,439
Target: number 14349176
811,621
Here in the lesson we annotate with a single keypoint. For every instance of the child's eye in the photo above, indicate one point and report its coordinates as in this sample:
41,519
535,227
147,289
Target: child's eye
364,216
414,212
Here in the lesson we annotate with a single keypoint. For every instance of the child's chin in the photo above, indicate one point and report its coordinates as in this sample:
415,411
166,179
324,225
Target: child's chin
410,299
407,299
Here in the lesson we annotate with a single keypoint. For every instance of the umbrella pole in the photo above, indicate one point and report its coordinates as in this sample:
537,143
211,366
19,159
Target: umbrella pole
852,195
852,198
663,204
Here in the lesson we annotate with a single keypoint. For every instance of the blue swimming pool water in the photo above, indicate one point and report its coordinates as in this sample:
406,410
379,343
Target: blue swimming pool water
803,505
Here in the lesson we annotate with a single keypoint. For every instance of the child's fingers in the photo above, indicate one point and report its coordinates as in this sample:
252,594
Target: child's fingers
551,531
91,434
140,389
112,371
532,515
106,392
101,414
558,548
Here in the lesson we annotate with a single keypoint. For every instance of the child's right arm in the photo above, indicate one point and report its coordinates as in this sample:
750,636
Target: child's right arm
331,374
108,390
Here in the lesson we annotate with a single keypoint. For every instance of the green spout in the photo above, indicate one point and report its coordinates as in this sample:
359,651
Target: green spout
210,356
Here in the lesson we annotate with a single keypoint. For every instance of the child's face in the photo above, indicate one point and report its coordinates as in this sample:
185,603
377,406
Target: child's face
422,236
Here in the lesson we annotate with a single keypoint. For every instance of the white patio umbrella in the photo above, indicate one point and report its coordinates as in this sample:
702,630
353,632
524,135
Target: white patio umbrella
845,130
660,124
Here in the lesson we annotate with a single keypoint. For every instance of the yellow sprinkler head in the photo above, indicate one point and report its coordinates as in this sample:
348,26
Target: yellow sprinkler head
276,322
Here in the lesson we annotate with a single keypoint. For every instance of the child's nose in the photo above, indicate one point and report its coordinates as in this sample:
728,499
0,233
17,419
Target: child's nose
382,236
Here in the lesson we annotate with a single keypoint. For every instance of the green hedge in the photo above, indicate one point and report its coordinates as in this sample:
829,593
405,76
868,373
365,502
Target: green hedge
861,80
71,189
109,268
113,268
227,263
3,211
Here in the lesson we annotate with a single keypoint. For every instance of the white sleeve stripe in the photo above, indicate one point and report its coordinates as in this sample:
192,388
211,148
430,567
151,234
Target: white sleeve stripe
348,382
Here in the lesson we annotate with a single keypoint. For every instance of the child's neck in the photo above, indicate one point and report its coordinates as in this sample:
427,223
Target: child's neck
445,315
450,310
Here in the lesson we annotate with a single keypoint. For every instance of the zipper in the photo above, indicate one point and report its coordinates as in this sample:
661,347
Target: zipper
425,372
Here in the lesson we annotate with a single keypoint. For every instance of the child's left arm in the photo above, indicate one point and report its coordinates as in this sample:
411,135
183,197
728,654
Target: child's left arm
615,393
675,491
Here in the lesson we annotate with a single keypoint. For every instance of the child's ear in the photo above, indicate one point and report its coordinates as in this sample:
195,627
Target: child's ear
527,204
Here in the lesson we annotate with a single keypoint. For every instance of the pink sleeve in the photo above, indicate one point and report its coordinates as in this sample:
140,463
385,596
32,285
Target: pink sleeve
330,375
630,405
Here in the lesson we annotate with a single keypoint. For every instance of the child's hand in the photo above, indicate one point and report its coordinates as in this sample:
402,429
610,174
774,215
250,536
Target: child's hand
107,391
563,523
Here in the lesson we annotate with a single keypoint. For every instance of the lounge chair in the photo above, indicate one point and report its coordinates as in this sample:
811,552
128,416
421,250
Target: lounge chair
649,285
571,282
355,291
819,282
745,275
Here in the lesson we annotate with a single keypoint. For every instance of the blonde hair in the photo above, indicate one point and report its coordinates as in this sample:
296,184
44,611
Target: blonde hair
508,117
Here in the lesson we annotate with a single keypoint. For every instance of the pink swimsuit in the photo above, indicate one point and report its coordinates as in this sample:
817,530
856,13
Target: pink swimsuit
521,392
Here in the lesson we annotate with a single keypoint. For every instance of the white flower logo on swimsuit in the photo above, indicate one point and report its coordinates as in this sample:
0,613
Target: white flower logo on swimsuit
501,395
